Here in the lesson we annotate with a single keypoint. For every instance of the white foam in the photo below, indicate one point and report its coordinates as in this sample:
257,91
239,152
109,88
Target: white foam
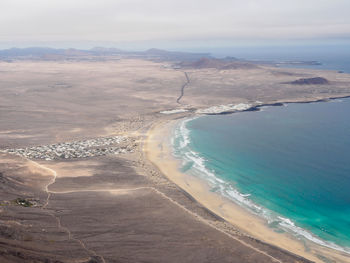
336,100
182,134
286,223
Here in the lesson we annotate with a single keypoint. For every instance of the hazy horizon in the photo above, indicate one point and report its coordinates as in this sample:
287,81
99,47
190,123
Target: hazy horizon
134,24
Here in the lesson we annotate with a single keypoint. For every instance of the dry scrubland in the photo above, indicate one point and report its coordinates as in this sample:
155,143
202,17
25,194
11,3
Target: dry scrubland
120,208
57,101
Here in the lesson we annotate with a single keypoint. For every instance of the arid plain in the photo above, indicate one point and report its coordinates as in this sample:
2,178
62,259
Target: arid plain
122,208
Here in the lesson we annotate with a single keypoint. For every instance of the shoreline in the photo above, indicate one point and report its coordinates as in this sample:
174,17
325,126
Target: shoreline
157,150
258,106
121,207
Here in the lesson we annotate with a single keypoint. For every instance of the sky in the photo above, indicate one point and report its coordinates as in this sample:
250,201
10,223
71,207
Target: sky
141,23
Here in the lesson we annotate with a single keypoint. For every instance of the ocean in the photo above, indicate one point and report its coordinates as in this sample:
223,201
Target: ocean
331,57
287,164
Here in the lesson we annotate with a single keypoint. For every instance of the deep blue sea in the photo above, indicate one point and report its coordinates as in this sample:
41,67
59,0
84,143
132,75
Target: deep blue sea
288,164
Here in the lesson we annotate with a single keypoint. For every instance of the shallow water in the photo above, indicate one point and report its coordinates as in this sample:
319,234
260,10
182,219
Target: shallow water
290,165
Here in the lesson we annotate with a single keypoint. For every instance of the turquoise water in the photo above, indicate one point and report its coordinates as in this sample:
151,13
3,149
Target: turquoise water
289,165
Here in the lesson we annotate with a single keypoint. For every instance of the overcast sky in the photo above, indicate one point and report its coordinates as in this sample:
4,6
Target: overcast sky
192,21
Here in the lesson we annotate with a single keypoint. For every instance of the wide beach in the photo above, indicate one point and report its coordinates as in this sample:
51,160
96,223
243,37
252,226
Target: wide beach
159,151
96,196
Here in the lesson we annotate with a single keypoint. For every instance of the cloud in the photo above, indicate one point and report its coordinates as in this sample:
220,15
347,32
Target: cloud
140,20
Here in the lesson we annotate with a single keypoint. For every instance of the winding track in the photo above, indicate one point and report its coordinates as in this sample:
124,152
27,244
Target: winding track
183,88
93,253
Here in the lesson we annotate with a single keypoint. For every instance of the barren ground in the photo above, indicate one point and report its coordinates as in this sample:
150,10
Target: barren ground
120,208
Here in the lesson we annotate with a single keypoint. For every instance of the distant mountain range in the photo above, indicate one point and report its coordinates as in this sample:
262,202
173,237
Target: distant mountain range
52,53
177,58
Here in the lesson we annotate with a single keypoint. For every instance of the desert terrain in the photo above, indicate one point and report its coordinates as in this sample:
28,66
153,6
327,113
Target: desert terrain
118,206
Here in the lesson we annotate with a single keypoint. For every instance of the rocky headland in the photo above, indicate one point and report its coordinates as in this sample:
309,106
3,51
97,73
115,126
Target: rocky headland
310,81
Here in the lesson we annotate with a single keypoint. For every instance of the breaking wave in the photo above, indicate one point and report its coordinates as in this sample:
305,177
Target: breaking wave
195,164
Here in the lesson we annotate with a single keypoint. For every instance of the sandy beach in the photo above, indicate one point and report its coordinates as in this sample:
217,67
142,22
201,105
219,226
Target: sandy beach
158,150
98,199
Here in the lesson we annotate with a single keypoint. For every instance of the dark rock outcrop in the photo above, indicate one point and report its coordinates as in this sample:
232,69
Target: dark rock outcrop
220,64
310,81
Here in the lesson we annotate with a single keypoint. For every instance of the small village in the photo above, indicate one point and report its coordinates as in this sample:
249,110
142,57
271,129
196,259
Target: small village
76,149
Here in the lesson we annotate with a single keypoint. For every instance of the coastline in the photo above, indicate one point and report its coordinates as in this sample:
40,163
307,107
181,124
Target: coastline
121,207
259,106
157,150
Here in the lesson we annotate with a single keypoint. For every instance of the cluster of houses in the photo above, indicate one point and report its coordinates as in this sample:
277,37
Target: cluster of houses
76,149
